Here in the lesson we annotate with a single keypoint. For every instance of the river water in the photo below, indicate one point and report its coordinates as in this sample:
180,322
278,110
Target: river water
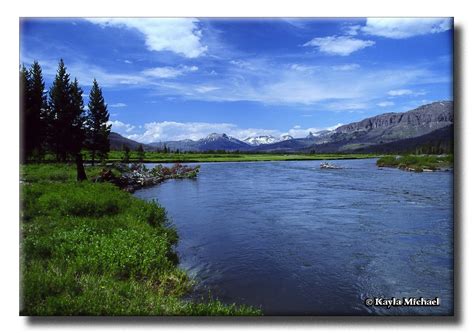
292,238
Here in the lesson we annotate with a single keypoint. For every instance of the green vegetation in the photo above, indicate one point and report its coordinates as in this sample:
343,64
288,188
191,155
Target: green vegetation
160,157
55,126
91,249
416,162
96,124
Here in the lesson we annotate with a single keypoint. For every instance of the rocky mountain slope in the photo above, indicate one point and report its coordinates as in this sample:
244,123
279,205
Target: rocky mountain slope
379,132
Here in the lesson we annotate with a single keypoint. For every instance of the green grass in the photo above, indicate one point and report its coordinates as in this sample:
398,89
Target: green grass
91,249
230,157
416,162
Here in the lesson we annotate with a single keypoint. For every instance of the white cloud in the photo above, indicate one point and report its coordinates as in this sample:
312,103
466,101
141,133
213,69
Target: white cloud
277,84
346,67
405,92
299,132
347,106
179,35
127,61
171,130
118,126
385,104
331,128
339,45
273,82
169,72
351,30
204,89
118,105
400,92
304,68
399,28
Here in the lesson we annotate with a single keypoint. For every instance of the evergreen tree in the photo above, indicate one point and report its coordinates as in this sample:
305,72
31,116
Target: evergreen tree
126,154
77,132
60,112
33,111
141,153
66,115
78,135
97,128
39,108
25,95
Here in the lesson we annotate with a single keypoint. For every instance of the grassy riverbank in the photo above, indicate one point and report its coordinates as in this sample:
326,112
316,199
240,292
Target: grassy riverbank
92,249
416,163
155,157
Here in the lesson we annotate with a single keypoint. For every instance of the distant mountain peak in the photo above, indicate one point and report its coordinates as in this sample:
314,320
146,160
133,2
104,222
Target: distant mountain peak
317,134
261,140
383,131
216,136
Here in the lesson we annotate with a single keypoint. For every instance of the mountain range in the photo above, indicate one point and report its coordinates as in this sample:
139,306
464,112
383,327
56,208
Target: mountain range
430,124
265,139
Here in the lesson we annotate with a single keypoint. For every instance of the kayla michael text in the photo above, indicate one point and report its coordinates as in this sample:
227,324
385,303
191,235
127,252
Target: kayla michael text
405,301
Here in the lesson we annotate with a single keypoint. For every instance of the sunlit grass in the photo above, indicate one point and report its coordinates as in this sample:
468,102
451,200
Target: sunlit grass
91,249
231,157
416,162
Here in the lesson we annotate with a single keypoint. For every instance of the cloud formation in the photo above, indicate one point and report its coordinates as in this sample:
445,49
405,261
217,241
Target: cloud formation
400,92
121,127
346,67
117,105
171,130
400,28
385,104
169,72
179,35
405,92
339,45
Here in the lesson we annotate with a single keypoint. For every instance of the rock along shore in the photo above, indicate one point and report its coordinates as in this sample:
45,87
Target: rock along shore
135,176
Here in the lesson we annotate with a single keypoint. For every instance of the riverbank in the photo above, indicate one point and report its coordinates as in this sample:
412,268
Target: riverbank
92,249
135,176
154,157
417,163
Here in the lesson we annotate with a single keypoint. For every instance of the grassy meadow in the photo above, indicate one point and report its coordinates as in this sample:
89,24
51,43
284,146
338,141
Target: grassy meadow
91,249
416,162
159,157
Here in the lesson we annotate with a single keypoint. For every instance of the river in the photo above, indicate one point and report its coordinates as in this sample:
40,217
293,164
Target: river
295,239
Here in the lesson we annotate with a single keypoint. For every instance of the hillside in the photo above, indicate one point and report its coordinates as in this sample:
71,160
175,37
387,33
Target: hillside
385,132
377,130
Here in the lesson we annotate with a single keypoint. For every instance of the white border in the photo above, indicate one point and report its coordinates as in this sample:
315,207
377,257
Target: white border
208,8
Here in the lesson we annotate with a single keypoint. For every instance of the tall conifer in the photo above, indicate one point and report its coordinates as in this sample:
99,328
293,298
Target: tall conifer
98,129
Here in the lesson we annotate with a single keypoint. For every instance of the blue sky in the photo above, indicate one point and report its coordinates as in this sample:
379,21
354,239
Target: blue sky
172,79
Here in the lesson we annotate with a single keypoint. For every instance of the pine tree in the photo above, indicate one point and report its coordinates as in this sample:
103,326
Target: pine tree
77,134
141,153
38,108
126,154
60,112
33,111
25,96
67,115
97,128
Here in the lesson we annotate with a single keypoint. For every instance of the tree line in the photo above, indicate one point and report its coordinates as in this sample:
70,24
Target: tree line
55,121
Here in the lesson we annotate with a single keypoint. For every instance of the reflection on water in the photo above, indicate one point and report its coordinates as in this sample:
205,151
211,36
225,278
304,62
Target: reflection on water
295,239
